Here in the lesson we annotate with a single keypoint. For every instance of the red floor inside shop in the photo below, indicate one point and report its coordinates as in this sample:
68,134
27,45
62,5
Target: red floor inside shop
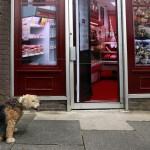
106,89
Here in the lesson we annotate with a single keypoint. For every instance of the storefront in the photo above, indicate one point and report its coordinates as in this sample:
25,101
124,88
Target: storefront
82,54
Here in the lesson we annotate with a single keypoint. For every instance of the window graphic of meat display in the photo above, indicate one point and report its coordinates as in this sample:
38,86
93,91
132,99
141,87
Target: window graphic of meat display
39,36
31,50
141,14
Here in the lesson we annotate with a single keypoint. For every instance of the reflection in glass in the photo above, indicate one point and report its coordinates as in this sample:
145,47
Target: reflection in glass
39,35
137,2
142,35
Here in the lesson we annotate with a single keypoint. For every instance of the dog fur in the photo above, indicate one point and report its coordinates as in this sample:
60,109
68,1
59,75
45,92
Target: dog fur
10,115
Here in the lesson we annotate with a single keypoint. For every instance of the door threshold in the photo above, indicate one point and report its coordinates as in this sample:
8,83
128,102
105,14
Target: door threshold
108,105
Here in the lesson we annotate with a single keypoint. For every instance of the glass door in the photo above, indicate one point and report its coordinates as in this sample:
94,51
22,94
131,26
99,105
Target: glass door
83,51
98,69
97,51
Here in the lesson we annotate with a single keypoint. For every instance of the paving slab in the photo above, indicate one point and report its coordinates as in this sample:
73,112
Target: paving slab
46,147
52,132
4,146
142,127
89,120
114,140
23,124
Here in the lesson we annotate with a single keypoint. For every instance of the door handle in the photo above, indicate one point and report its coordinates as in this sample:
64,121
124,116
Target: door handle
72,53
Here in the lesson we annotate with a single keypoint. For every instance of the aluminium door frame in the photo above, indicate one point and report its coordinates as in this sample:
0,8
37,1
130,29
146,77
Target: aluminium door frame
123,71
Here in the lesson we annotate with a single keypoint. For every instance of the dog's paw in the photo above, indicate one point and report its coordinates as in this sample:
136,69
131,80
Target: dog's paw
10,140
16,130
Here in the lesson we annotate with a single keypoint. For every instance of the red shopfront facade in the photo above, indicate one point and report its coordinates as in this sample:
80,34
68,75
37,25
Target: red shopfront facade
43,63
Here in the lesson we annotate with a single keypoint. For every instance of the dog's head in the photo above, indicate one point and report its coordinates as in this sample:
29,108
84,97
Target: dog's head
29,101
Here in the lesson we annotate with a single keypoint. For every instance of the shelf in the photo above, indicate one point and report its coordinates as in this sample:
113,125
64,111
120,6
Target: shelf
32,39
141,38
32,36
36,38
108,59
107,52
32,54
109,42
52,47
110,62
36,26
52,25
52,37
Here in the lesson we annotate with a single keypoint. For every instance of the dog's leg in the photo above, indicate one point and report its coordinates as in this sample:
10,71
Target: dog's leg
1,138
10,131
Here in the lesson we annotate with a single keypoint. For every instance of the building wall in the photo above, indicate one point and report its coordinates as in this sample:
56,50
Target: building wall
53,105
5,22
140,104
5,47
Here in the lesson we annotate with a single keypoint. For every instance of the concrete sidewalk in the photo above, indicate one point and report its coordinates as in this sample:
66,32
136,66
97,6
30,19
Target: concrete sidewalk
82,130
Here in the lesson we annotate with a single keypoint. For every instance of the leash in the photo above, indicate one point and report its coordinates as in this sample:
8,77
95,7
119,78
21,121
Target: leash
5,96
10,101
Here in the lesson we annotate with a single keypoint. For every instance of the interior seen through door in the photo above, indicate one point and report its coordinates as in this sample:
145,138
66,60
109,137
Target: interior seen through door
104,51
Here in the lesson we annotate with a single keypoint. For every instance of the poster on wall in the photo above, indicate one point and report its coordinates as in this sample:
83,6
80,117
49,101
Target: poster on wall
84,24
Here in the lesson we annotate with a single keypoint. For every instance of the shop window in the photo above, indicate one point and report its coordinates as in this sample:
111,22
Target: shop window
141,16
39,36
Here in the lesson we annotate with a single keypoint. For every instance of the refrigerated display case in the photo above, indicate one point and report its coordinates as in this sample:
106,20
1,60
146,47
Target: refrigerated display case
39,35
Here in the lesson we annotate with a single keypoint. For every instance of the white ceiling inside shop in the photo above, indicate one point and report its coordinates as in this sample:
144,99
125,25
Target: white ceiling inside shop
108,4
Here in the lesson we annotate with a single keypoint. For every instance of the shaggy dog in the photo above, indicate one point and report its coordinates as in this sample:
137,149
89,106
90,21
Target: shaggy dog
11,112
